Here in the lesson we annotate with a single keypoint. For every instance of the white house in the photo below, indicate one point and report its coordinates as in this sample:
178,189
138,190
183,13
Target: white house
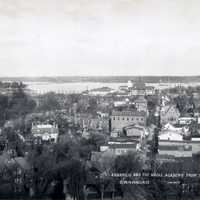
46,132
170,136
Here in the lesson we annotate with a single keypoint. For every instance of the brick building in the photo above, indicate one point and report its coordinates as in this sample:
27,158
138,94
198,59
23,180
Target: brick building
121,119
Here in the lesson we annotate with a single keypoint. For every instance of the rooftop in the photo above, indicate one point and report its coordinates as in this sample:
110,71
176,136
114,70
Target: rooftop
128,113
123,146
135,126
177,147
44,128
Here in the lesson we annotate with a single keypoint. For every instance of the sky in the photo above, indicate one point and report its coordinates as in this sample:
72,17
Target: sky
99,37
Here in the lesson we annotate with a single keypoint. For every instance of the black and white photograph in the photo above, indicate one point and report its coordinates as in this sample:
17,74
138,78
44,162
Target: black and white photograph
99,100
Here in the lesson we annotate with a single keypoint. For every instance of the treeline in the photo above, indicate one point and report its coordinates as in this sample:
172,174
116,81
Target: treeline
16,105
12,85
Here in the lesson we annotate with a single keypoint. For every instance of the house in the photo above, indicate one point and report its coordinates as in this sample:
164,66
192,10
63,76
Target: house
121,119
170,136
169,114
141,104
179,129
46,132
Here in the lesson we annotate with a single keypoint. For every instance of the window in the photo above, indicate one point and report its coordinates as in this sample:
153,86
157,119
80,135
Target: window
127,119
122,118
113,118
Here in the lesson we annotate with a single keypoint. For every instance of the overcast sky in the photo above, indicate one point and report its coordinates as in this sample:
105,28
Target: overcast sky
99,37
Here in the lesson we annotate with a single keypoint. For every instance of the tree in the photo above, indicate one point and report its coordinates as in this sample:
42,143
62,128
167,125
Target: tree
97,140
127,163
20,104
43,163
3,108
49,102
77,177
130,163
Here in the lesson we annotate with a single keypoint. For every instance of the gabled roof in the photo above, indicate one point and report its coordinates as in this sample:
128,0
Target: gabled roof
167,108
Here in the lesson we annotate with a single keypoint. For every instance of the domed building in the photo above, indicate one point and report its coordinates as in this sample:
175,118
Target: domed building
140,88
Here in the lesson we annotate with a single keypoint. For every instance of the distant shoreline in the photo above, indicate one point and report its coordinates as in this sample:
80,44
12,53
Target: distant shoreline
105,79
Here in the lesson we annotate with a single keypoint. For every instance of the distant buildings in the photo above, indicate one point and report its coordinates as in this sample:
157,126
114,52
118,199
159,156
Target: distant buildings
140,88
45,132
136,89
121,119
100,91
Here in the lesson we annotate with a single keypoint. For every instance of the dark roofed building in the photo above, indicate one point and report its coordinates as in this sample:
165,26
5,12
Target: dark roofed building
120,148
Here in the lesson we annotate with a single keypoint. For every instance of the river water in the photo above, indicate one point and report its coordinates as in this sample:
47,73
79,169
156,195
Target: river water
76,87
